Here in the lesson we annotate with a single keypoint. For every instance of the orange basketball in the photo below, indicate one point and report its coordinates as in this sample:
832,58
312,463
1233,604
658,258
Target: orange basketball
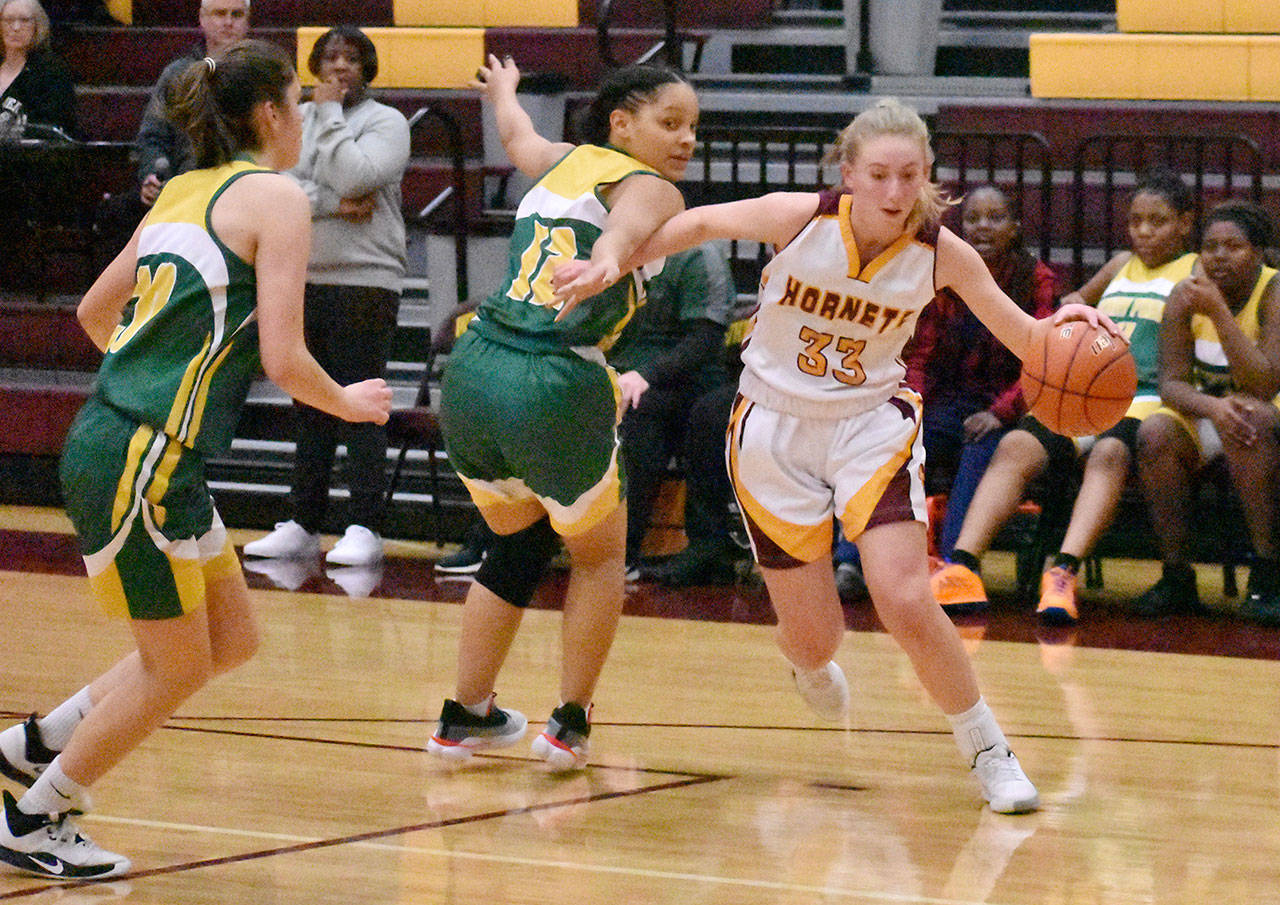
1077,379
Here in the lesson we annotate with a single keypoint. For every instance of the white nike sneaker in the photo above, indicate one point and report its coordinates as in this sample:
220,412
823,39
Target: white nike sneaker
52,846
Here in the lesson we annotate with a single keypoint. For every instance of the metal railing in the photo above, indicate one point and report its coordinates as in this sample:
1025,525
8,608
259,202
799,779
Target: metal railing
671,46
1106,166
457,191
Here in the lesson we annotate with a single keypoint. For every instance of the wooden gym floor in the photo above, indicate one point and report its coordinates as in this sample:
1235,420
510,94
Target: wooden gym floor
301,777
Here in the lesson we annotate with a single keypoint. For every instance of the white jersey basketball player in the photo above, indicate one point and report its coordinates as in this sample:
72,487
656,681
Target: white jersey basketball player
824,426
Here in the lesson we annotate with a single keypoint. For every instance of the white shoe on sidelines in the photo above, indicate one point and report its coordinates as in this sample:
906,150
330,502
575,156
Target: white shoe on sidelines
357,547
289,539
1004,786
54,847
825,690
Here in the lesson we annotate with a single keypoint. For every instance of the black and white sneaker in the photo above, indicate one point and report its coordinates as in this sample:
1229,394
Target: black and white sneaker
564,744
460,732
53,846
23,755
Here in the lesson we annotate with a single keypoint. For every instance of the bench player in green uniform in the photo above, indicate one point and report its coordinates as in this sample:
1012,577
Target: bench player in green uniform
529,407
214,272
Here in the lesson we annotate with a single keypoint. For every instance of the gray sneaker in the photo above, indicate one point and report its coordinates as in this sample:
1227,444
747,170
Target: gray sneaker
460,732
563,745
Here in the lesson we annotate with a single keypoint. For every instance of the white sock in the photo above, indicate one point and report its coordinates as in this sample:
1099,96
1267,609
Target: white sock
53,793
976,730
56,728
480,709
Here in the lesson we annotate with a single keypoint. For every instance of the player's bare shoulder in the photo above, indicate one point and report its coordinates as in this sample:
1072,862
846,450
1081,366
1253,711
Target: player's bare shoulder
260,205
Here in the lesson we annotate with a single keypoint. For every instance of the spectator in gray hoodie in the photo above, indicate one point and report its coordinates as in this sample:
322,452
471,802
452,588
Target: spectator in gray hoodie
354,153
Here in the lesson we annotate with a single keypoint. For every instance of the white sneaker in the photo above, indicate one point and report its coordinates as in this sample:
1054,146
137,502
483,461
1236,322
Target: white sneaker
1004,785
825,690
357,547
23,755
289,539
54,847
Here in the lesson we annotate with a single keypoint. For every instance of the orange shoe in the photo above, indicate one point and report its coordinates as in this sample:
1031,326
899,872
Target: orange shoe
1058,597
958,589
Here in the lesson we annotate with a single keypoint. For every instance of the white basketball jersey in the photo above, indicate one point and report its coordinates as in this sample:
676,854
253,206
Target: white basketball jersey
826,340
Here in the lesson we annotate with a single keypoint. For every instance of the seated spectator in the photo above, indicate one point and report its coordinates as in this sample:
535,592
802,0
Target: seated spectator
163,150
669,354
35,85
709,558
968,380
1219,374
1131,288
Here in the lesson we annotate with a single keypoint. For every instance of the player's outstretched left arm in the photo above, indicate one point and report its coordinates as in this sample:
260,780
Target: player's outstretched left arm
961,268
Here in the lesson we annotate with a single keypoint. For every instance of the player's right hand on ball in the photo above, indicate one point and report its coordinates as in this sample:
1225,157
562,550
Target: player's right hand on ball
1089,314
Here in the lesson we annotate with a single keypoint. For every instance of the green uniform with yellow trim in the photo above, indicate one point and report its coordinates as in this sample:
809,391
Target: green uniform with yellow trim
529,407
1135,300
174,378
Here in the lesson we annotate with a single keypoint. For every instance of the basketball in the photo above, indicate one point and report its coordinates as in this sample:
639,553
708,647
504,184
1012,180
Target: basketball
1077,379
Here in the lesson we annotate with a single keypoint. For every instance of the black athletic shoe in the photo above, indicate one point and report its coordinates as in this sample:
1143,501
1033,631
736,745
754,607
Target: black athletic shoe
53,846
1174,594
461,732
563,745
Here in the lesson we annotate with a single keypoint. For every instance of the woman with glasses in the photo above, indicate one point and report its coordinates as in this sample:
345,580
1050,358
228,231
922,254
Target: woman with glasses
35,86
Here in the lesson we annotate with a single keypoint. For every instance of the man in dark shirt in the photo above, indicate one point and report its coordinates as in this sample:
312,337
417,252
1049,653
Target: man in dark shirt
162,148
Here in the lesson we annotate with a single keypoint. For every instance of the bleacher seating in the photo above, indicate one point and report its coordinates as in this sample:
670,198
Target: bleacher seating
1214,51
1051,197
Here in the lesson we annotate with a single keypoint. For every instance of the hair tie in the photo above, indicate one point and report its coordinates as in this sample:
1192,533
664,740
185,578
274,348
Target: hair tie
208,61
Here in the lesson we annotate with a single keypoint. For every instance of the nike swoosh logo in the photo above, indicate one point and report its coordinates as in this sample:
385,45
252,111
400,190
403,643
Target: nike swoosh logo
51,863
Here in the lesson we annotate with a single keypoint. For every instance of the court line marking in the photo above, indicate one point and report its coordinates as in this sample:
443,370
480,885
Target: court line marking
298,844
737,727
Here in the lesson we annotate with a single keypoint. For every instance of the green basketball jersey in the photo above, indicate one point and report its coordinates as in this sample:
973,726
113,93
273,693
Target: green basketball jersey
559,219
1135,300
186,349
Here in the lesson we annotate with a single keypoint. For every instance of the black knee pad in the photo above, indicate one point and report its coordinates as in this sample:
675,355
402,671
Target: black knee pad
515,563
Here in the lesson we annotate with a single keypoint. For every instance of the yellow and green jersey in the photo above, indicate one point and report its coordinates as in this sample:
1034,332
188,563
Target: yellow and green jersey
1135,300
1212,371
559,219
186,349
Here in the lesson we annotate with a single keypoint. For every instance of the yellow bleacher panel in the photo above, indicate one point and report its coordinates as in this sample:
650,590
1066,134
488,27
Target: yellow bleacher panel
543,14
1162,16
1144,67
1251,16
1264,68
121,11
481,13
412,57
437,13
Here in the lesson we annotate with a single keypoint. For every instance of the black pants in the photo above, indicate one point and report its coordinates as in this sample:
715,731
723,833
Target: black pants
348,330
670,422
708,491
